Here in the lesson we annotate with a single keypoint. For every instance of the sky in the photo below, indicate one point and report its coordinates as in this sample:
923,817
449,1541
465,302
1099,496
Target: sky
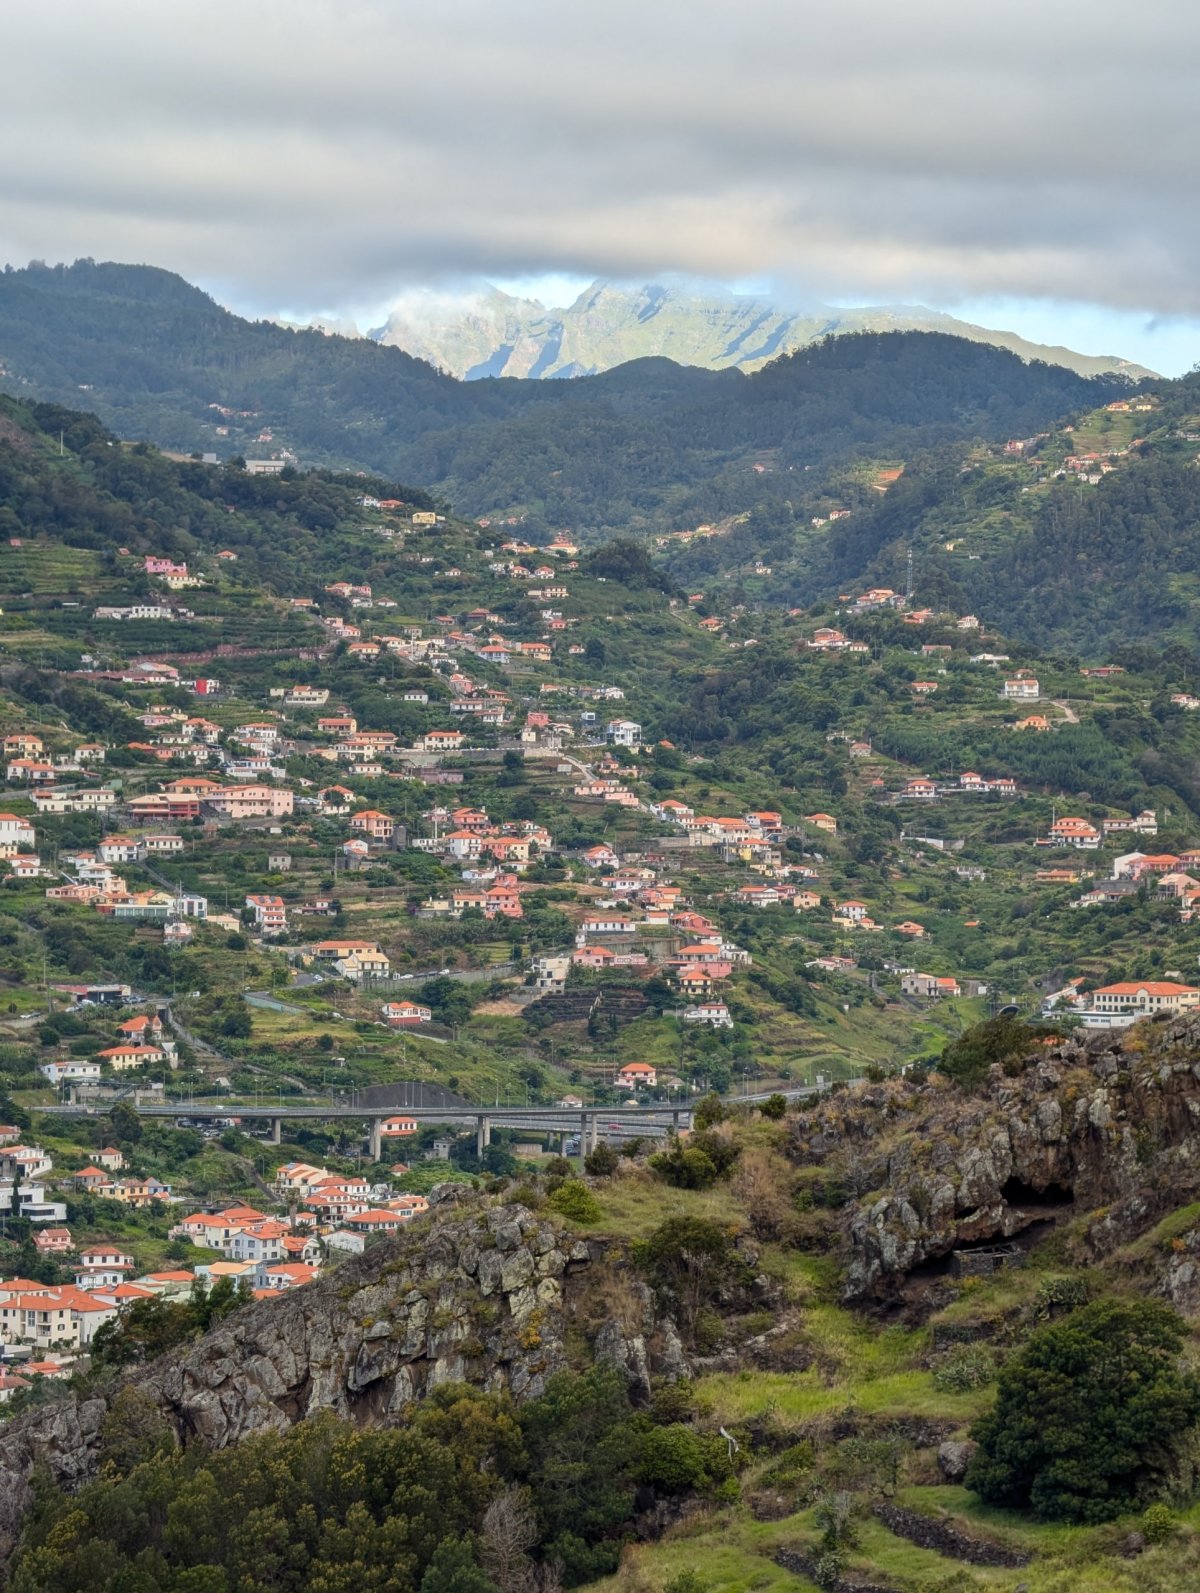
1027,165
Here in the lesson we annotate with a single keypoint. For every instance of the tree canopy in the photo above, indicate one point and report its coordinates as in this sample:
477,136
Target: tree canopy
1088,1414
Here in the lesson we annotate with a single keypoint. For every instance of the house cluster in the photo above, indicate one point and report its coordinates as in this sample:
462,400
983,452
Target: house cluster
23,1170
1090,467
488,853
1084,836
1164,876
140,1041
90,876
62,1319
921,788
754,838
360,961
827,639
1116,1006
343,1210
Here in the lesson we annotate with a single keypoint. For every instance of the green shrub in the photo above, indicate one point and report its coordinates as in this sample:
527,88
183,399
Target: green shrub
710,1109
1003,1040
684,1167
673,1402
827,1571
1056,1296
676,1458
775,1107
1158,1524
964,1367
788,1468
576,1201
602,1162
690,1260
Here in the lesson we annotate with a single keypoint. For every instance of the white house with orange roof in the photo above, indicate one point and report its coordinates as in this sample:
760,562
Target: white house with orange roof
1076,832
636,1076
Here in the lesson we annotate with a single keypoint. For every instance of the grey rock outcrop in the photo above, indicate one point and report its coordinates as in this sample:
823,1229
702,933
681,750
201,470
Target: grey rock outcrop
953,1458
1109,1126
469,1294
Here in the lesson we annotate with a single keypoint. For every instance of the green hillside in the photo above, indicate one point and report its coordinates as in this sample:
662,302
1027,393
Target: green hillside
1084,537
649,446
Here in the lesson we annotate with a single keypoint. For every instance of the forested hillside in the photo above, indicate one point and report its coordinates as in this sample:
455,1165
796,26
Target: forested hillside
1084,536
650,446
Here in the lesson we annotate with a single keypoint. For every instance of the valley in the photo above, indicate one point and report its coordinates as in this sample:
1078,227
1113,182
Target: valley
830,878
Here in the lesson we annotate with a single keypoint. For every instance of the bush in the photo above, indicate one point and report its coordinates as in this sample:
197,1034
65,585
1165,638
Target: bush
1159,1524
685,1167
676,1458
710,1109
719,1146
1089,1415
685,1582
576,1201
1056,1296
602,1162
1003,1040
690,1261
774,1107
964,1367
790,1467
673,1402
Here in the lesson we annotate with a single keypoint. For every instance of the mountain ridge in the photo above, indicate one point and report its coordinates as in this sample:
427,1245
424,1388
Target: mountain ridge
648,446
489,332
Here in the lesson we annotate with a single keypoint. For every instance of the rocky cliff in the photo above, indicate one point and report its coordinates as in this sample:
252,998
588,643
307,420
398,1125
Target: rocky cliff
473,1293
1101,1135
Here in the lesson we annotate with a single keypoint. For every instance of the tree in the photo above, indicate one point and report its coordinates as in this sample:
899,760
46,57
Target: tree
602,1162
454,1569
709,1110
126,1124
583,1452
690,1260
1088,1414
147,1329
506,1535
1003,1040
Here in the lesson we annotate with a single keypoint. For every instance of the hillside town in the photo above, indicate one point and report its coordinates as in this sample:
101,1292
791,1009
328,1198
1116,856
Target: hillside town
465,851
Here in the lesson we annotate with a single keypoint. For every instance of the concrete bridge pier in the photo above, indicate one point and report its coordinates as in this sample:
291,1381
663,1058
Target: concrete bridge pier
483,1135
375,1142
277,1131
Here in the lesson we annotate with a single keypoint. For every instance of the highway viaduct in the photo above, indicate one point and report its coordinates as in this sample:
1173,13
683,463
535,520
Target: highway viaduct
655,1121
589,1123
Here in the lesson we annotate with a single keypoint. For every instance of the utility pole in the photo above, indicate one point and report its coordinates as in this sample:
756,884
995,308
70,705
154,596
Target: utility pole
908,595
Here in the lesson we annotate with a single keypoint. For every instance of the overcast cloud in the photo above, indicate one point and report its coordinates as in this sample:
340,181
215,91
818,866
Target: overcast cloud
322,154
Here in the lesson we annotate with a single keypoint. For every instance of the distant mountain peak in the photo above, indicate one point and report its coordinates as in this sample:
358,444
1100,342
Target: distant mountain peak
484,331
